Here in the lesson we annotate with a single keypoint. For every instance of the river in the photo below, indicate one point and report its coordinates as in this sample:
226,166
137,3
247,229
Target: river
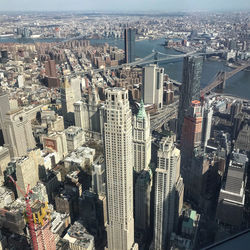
238,85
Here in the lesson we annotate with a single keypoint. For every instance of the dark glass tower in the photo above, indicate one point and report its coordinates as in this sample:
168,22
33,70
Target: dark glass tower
129,45
190,88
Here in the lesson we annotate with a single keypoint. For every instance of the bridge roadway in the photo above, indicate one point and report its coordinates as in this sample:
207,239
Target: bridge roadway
222,77
150,59
163,115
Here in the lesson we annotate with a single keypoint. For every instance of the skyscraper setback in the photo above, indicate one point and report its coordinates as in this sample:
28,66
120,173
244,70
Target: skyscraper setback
129,45
190,88
168,193
119,169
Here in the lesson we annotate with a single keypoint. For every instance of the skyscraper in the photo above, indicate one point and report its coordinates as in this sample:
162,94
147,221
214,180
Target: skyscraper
88,112
51,74
118,144
191,139
18,135
67,97
190,88
168,194
192,129
153,77
141,139
4,108
129,45
50,68
207,122
143,187
27,170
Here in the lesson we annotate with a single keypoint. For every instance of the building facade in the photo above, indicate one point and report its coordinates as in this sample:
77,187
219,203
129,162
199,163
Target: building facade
119,168
190,88
167,199
129,45
153,78
141,139
18,133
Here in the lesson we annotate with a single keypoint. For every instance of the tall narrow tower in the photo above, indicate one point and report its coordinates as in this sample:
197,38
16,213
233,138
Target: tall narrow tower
153,85
191,130
141,139
67,97
118,143
190,88
168,194
129,45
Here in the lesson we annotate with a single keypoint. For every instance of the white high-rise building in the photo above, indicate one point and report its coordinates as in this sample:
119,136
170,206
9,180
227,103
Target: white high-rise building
27,170
167,196
76,88
4,108
153,85
119,170
18,135
87,112
207,122
141,139
67,96
80,120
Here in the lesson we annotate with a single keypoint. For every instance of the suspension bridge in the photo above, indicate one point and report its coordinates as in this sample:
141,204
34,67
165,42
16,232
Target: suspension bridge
154,57
222,77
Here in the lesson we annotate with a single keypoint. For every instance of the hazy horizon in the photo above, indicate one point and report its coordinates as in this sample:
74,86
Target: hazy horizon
128,6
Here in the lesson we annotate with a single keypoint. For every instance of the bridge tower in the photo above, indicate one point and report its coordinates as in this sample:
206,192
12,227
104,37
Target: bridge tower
222,77
156,56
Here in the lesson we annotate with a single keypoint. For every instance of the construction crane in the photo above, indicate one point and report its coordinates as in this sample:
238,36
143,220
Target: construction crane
28,213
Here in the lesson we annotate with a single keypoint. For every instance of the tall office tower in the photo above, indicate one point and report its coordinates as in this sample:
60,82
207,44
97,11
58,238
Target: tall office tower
235,109
76,88
207,122
67,97
141,139
231,203
51,74
118,143
19,138
153,77
191,130
168,194
93,110
27,170
50,68
143,187
87,112
4,108
190,88
80,120
129,45
98,179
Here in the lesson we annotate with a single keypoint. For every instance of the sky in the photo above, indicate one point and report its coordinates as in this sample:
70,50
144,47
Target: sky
124,5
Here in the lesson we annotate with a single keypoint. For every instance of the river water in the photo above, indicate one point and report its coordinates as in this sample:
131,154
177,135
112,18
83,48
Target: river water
238,85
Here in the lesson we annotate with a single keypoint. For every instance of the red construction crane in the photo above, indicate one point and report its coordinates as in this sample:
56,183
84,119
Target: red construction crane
28,213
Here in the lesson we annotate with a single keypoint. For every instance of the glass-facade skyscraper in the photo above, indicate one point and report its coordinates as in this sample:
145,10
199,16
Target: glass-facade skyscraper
190,88
129,45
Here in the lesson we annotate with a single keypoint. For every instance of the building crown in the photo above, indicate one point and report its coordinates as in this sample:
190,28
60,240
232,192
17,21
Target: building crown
142,112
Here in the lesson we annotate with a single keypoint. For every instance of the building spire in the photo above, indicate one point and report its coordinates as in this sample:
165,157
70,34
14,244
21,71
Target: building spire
141,113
